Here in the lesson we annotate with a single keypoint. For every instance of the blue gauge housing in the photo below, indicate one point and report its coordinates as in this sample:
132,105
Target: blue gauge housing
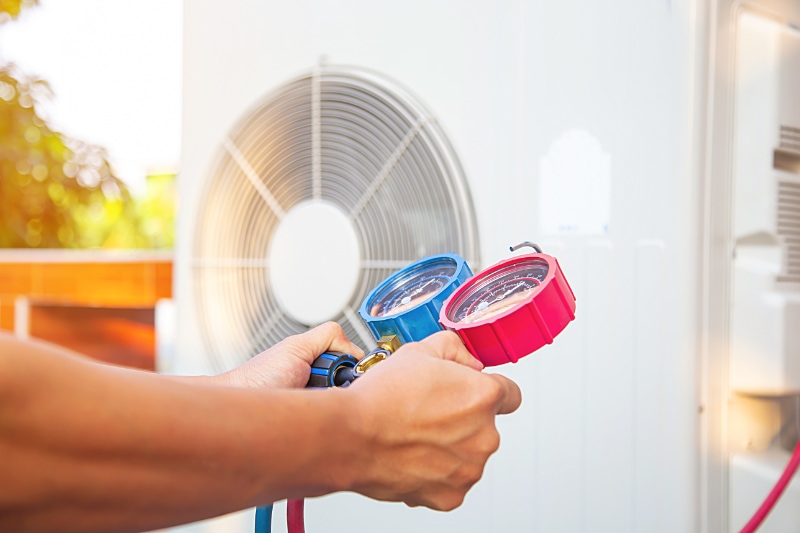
407,303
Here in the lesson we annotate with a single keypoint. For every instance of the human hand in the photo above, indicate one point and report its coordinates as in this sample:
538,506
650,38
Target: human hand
288,363
428,416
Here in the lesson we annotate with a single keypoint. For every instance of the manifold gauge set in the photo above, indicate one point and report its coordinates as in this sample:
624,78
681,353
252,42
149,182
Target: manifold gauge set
503,313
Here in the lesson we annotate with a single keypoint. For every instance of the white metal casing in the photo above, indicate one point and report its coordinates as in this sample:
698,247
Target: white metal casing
766,221
765,284
606,439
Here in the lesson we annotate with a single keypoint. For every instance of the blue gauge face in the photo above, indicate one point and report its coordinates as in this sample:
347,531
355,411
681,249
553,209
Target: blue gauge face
499,291
412,288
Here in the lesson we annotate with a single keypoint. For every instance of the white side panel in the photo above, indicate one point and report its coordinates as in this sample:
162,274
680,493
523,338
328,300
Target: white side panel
758,61
605,439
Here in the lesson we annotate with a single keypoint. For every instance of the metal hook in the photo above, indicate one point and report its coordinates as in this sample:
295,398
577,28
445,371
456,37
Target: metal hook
528,244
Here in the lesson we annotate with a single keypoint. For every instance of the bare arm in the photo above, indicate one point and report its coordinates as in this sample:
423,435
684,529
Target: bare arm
88,447
85,447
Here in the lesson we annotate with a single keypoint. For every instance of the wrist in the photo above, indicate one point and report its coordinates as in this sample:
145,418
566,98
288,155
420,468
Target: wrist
345,437
358,431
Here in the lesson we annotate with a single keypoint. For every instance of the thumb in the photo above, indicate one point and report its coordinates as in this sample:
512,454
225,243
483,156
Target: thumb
510,397
327,337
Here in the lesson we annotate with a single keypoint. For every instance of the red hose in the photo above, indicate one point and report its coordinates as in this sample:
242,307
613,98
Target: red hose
775,493
294,516
296,522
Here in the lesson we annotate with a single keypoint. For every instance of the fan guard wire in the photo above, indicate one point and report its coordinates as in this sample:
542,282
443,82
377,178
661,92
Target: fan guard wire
344,135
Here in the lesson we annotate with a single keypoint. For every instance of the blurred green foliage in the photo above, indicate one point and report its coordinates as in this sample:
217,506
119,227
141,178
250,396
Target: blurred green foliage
59,192
156,211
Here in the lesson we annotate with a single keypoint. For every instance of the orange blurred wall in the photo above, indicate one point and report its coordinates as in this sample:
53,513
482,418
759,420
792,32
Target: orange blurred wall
100,303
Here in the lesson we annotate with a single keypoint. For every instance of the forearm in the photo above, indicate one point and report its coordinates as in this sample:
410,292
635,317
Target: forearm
90,448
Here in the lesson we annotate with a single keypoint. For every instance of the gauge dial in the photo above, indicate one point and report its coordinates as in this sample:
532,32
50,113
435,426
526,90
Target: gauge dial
408,303
412,288
499,292
510,309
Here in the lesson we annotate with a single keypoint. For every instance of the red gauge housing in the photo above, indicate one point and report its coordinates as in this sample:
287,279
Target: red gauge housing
510,309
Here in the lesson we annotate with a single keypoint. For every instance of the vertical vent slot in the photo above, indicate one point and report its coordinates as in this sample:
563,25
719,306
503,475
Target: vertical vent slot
789,228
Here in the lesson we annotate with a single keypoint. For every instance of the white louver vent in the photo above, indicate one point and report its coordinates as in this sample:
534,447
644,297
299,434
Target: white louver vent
789,228
347,138
790,139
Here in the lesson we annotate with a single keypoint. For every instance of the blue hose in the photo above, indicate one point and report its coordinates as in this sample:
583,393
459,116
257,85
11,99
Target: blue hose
264,519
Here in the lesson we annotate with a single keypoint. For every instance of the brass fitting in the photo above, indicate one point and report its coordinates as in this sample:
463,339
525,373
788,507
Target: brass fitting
390,343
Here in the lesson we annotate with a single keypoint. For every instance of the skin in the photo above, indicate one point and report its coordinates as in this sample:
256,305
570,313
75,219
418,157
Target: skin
89,447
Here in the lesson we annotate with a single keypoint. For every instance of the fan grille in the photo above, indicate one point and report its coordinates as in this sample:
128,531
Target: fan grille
348,137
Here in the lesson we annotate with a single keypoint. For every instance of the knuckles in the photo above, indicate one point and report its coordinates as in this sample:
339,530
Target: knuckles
334,328
447,500
489,442
467,476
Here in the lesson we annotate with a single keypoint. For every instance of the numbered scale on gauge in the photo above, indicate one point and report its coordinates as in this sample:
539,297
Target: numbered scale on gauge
512,308
503,290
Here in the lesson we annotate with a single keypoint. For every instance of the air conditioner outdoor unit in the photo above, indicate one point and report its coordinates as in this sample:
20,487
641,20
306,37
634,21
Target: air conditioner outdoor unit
407,129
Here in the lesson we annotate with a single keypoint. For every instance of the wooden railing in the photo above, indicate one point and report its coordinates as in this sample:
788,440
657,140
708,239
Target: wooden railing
99,303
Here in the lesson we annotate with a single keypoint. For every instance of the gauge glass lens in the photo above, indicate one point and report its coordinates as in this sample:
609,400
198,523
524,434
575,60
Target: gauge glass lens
499,291
412,288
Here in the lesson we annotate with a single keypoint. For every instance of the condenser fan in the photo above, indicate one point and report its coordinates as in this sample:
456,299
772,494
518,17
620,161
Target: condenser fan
326,187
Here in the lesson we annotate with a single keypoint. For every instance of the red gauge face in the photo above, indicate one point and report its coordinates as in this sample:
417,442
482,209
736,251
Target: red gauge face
498,292
511,309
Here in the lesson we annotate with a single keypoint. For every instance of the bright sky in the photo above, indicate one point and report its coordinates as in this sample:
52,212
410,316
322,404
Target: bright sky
115,68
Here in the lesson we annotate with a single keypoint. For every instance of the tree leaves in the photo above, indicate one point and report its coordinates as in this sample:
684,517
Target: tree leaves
55,191
60,192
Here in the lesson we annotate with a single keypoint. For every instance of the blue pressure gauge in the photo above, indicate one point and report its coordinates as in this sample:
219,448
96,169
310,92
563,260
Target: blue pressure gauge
407,303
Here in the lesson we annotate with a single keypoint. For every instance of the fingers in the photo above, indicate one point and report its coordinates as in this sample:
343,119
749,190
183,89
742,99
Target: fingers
509,396
441,499
329,337
448,346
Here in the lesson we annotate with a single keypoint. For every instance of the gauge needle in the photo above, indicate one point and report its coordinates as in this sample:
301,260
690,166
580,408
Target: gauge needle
509,291
419,289
410,296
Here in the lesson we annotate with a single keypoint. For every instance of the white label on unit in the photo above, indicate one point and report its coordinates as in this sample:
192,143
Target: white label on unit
575,186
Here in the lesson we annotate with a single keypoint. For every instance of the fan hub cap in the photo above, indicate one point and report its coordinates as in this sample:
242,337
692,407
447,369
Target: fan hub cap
314,259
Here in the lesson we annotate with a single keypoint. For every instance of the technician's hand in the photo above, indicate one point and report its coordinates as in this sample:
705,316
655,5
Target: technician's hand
429,418
288,363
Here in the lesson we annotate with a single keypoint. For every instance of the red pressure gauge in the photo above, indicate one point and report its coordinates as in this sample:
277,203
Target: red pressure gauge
512,308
